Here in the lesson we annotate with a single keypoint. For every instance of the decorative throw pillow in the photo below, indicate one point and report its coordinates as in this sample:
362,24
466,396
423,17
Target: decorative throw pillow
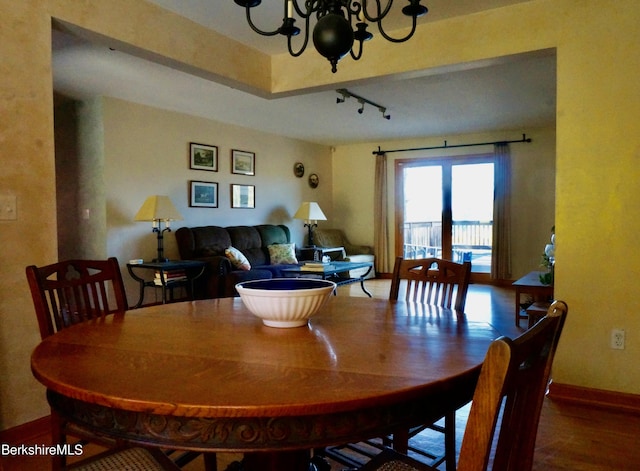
237,258
282,254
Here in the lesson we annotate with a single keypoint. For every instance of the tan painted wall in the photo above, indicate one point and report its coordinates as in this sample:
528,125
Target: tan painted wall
598,195
533,199
597,154
26,152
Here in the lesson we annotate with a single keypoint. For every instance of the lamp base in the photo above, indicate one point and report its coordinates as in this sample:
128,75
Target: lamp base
310,241
160,260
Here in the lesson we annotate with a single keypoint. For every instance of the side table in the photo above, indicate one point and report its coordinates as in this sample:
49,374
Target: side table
530,284
167,276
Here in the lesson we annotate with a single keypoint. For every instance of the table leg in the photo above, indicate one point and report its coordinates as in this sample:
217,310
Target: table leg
278,461
141,285
362,282
517,307
210,461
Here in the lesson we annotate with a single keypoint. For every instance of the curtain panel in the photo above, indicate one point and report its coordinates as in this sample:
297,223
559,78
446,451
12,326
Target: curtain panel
501,254
380,218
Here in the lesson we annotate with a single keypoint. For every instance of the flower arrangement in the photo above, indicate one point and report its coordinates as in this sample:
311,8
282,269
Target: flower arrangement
549,259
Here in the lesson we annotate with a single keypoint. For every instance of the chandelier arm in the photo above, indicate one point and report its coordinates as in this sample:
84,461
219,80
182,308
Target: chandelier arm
359,54
309,6
398,40
304,44
380,13
255,28
353,9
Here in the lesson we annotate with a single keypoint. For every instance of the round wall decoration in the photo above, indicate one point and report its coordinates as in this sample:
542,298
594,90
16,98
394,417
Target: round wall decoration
314,180
298,169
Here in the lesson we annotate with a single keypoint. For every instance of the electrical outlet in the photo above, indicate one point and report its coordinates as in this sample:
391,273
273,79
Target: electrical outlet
617,339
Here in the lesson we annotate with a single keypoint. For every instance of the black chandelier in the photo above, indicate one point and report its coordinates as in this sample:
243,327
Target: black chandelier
334,35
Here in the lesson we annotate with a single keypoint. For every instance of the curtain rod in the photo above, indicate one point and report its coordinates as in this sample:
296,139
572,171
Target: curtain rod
447,146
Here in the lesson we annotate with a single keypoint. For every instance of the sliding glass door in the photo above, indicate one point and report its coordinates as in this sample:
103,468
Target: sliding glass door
445,209
422,212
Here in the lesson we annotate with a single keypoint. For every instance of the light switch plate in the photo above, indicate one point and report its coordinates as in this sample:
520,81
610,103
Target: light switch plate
8,208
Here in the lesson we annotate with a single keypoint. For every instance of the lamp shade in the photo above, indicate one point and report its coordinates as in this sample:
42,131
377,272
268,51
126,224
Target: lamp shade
158,208
310,211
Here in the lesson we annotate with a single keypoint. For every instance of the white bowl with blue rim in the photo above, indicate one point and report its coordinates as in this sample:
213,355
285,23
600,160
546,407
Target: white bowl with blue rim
285,302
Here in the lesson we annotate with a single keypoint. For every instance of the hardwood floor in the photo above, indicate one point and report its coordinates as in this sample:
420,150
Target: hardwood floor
570,437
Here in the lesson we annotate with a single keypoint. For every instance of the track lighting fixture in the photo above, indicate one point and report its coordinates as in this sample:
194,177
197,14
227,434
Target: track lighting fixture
347,94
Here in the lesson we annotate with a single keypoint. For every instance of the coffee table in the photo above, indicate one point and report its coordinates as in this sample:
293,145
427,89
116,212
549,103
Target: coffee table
332,271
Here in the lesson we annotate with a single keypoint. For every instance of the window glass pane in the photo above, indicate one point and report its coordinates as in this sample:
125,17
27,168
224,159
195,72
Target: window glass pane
472,211
422,211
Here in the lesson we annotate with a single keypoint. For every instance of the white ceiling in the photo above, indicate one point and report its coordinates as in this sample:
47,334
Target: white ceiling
515,93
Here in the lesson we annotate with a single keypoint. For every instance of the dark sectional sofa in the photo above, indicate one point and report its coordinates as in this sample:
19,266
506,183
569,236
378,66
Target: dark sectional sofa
208,243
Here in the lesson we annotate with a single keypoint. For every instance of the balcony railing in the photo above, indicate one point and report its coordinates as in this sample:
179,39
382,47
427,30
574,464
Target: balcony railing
471,240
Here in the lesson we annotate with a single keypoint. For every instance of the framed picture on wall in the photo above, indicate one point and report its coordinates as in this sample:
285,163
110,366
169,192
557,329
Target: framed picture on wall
203,194
243,196
203,157
243,162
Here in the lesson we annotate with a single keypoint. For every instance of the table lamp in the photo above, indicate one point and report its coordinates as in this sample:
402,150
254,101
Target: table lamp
311,213
159,209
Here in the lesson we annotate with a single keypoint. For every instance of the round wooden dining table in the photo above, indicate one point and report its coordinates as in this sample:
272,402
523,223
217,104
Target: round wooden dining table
209,376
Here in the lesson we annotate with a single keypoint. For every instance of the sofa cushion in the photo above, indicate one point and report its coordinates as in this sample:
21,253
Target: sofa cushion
248,241
237,259
210,241
271,234
282,254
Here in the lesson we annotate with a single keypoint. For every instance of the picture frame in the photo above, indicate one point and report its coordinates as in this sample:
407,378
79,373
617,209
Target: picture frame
203,194
203,157
243,196
243,162
298,169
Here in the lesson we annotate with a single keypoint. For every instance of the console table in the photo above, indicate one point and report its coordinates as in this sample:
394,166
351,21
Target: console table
163,276
531,284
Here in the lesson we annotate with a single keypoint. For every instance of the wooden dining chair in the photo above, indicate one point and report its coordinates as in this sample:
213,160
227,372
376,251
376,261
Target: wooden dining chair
431,281
73,291
425,281
512,384
443,283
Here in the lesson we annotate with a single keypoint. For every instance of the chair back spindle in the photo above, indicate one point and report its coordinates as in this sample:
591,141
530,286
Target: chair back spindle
73,291
431,281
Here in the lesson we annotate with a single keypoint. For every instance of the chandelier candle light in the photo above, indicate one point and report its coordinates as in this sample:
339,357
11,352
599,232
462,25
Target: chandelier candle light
334,33
159,209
